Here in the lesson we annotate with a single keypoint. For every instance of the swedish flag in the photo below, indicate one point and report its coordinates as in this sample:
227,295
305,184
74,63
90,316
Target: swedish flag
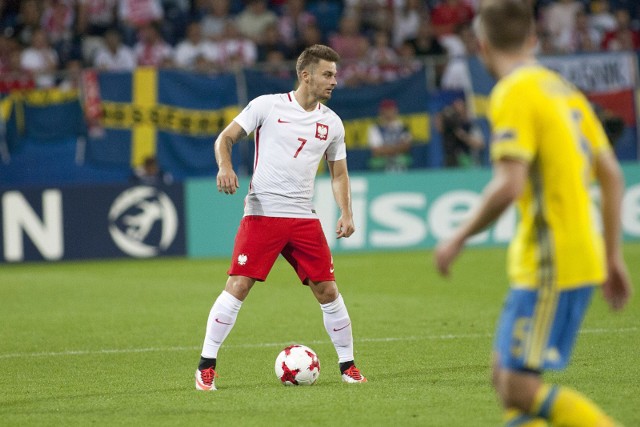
170,114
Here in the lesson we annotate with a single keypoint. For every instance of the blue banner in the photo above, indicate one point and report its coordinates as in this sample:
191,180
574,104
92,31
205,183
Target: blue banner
45,115
410,93
263,83
109,221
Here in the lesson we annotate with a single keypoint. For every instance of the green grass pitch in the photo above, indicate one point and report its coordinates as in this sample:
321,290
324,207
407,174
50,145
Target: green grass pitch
117,343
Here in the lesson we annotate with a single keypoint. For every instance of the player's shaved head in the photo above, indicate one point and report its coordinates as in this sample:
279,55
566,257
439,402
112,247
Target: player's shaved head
505,24
313,55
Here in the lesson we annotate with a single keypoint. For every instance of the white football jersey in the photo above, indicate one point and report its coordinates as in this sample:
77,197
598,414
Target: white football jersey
289,145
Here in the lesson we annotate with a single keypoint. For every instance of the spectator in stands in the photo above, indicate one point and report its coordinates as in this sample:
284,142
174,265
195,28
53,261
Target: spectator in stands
584,37
409,62
545,44
559,19
235,50
348,41
272,41
360,70
151,49
134,15
150,173
426,43
384,56
27,21
373,15
71,78
58,20
601,19
389,140
254,19
310,35
407,21
176,19
456,73
461,141
275,64
12,76
94,18
215,19
623,37
195,52
448,15
293,21
40,59
114,55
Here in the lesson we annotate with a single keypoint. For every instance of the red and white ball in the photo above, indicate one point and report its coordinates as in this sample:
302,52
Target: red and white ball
297,365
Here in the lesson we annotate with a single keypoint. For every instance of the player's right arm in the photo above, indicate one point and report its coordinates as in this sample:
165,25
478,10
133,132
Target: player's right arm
617,287
508,182
227,180
512,150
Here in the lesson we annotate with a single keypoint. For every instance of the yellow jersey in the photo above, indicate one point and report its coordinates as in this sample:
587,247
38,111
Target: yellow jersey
538,117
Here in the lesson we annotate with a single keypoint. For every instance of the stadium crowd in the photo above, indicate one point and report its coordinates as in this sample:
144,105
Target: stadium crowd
43,42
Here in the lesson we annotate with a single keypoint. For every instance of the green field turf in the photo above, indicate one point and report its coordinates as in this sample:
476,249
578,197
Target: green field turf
117,343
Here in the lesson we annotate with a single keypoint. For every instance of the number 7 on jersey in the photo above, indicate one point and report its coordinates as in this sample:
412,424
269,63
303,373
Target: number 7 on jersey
303,141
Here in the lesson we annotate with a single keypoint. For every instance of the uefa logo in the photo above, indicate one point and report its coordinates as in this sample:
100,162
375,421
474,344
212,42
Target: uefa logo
143,221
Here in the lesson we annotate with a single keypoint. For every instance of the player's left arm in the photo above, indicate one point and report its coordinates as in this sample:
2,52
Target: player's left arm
508,182
341,187
617,288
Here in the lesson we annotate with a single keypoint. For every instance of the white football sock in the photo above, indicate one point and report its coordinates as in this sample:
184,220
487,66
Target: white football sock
338,326
222,317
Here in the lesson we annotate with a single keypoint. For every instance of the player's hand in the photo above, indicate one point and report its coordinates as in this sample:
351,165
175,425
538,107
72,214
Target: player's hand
227,181
445,253
617,288
345,227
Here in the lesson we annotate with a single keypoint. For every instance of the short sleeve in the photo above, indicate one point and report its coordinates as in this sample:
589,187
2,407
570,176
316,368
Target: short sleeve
337,149
511,114
254,113
594,133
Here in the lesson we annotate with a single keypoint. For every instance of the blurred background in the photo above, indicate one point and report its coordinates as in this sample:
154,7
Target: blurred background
109,110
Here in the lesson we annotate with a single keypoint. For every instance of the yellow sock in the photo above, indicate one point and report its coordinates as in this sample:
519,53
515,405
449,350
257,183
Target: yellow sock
515,418
564,407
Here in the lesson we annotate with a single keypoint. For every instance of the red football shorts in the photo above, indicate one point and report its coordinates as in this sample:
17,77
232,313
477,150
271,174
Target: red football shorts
301,242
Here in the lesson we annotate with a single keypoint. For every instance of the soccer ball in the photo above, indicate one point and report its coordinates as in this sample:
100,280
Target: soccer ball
297,365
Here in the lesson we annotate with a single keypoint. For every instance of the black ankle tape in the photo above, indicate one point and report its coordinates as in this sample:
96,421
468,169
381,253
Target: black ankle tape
206,363
345,365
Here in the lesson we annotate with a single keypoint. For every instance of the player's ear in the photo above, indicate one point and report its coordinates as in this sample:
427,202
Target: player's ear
305,76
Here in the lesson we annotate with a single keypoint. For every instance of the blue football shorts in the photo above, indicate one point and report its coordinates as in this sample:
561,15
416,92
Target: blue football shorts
538,327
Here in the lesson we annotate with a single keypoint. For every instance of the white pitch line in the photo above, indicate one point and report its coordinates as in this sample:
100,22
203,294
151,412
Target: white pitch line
280,344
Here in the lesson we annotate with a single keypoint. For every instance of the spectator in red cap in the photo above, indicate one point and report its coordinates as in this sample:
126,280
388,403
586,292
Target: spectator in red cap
389,140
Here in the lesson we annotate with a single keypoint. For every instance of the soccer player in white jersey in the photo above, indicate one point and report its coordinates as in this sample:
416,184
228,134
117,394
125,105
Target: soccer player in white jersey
293,132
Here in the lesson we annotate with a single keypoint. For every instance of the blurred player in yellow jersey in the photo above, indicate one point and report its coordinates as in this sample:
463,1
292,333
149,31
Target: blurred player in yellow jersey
547,146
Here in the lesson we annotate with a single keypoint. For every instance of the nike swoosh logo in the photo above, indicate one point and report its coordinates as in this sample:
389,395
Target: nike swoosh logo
225,323
282,121
339,329
331,270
